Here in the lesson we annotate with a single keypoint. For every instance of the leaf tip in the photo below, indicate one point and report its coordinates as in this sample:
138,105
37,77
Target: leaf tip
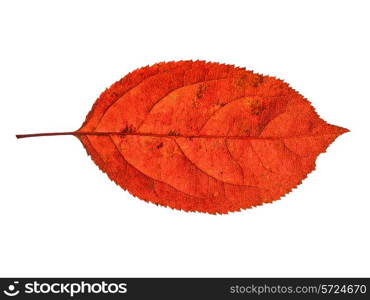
343,130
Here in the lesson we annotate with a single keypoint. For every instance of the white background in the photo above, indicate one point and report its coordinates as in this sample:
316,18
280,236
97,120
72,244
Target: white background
61,216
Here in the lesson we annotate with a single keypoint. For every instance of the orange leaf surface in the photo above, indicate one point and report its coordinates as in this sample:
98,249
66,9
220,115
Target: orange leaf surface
204,137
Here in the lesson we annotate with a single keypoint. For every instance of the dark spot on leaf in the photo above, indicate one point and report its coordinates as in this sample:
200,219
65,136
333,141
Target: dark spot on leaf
256,108
200,92
128,129
258,80
240,81
172,133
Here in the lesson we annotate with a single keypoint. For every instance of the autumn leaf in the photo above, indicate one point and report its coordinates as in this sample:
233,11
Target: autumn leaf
204,137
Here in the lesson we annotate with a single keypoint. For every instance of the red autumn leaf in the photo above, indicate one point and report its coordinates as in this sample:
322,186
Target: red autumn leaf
203,136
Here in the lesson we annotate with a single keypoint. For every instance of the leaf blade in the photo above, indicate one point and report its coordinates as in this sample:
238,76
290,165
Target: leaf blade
205,137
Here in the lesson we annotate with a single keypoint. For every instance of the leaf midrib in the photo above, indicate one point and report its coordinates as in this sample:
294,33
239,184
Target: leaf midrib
148,134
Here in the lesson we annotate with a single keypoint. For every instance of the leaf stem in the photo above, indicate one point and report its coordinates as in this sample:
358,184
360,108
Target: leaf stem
21,136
